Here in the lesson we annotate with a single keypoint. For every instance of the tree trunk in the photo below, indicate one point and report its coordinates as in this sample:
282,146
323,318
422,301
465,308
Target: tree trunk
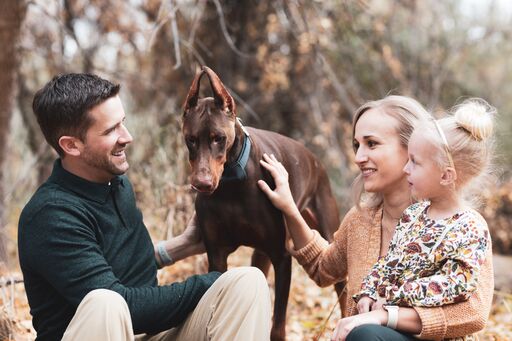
36,141
12,13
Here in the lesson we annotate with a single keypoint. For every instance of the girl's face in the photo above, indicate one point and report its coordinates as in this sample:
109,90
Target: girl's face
379,153
423,173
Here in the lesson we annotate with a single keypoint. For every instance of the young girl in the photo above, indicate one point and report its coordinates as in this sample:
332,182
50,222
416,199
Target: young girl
439,244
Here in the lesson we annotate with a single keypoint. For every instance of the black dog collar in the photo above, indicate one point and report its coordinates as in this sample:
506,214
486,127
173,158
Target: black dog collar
236,170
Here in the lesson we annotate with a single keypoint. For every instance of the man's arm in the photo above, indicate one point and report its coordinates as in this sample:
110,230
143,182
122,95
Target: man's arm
65,251
187,244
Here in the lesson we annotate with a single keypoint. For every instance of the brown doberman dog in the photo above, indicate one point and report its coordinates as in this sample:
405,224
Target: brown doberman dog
231,209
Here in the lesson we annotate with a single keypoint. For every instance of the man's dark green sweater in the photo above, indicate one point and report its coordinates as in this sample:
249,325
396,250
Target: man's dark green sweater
76,236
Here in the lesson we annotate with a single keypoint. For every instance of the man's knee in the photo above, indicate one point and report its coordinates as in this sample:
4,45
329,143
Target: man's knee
250,274
104,315
247,277
104,298
241,306
246,284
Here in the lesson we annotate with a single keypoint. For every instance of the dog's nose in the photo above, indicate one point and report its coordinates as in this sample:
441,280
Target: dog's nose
203,185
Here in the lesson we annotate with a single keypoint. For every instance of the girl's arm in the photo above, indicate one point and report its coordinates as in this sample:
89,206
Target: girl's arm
462,251
375,285
376,278
463,318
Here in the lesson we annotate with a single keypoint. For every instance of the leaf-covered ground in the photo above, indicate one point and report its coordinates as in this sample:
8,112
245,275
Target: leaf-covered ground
308,309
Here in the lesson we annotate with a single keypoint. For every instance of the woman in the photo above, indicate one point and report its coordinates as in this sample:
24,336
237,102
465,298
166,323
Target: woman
381,130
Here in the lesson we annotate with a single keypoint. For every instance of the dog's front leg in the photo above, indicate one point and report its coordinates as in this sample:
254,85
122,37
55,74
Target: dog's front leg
283,271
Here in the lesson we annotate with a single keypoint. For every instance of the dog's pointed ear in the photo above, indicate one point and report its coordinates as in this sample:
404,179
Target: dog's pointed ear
193,93
220,94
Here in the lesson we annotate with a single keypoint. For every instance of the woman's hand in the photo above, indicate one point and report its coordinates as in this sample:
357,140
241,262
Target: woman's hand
281,197
345,325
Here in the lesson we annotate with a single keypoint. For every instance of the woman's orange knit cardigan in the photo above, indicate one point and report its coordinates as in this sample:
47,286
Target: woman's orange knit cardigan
356,248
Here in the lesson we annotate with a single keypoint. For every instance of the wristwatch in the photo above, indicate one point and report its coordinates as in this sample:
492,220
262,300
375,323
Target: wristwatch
392,315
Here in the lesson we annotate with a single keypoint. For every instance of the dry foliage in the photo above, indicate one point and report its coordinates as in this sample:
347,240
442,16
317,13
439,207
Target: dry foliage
296,67
308,308
498,213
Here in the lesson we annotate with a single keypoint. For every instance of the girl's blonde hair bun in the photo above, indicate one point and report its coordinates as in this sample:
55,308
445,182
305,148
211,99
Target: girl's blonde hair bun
476,116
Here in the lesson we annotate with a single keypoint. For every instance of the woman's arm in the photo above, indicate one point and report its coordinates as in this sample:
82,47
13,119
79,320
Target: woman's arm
281,197
325,263
408,322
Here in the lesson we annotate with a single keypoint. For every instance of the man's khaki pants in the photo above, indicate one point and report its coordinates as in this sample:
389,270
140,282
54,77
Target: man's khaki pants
236,307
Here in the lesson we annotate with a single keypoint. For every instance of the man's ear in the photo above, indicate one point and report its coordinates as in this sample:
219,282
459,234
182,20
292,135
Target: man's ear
449,176
71,145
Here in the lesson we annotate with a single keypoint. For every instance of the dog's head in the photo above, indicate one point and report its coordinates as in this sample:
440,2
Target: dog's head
209,131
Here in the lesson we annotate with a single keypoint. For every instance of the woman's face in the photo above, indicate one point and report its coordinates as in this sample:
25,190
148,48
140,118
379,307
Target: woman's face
379,154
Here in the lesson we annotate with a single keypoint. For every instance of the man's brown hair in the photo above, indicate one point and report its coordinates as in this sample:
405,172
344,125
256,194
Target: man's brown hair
63,104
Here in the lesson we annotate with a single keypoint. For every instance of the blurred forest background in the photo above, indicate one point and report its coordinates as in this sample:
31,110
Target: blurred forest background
297,67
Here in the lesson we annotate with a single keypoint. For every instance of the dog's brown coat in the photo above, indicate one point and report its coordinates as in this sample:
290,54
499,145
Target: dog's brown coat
234,213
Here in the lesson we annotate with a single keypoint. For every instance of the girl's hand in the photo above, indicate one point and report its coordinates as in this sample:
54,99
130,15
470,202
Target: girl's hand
379,304
365,304
281,197
345,325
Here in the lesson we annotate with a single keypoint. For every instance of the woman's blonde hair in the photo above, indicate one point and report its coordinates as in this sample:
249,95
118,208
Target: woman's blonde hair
469,134
407,112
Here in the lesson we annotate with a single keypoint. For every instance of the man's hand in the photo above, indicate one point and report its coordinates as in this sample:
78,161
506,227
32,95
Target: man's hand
192,233
187,244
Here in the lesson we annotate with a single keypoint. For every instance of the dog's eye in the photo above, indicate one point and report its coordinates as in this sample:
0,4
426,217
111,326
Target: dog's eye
190,141
219,139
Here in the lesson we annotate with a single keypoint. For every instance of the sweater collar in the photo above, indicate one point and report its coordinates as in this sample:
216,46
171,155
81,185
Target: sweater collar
375,238
90,190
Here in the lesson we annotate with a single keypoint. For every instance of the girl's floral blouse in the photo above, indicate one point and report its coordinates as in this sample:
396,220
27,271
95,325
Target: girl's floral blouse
429,262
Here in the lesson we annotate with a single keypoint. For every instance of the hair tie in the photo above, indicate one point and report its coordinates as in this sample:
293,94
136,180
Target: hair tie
445,144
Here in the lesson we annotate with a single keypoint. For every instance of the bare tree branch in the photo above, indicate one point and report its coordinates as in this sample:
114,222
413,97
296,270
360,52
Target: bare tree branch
336,83
225,31
196,19
175,34
160,23
244,104
194,52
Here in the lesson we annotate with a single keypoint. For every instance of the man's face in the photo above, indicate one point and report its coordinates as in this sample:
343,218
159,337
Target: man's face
103,151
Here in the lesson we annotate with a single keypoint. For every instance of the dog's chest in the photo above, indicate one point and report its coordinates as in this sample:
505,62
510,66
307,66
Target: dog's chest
224,207
238,212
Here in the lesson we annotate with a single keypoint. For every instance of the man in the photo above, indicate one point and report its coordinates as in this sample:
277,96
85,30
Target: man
88,262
